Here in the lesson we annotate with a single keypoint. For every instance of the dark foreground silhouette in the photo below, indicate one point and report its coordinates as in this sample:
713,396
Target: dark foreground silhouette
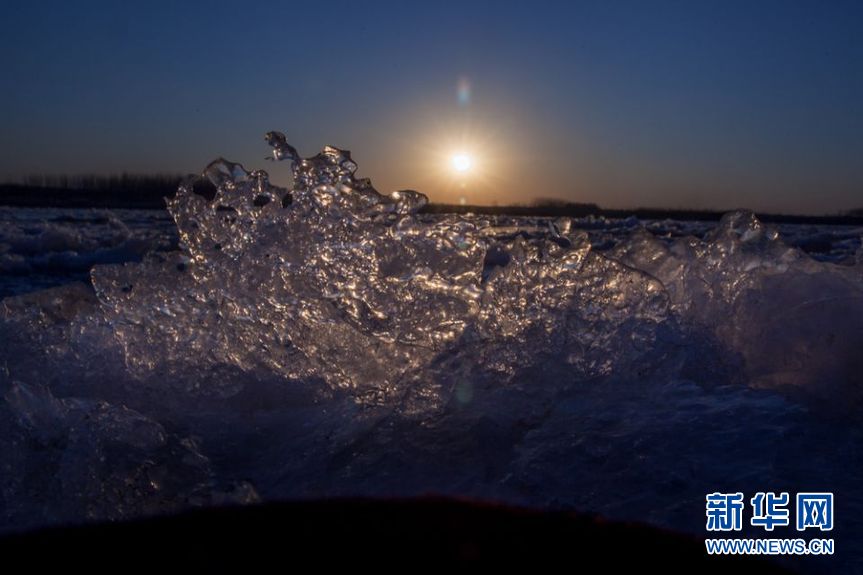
282,537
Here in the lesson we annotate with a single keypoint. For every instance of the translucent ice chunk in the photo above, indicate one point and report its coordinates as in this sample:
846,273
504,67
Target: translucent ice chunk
789,317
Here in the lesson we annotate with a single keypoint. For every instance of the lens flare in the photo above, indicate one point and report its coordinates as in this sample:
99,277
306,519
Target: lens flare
463,92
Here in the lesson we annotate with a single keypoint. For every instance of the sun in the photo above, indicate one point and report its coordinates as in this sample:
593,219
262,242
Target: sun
462,162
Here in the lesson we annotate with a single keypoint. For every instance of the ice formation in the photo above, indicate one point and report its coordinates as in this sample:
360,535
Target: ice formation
327,339
333,280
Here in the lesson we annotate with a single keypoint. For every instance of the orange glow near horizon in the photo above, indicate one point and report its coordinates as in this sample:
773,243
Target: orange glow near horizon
465,153
456,162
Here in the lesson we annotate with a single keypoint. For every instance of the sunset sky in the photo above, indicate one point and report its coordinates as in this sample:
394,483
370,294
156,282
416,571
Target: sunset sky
671,104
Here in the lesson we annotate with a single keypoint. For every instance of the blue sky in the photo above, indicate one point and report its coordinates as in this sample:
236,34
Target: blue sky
675,104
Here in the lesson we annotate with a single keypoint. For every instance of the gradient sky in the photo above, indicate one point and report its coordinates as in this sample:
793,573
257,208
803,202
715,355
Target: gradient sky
675,104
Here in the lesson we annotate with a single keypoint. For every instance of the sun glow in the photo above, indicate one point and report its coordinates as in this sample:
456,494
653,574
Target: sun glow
462,162
456,159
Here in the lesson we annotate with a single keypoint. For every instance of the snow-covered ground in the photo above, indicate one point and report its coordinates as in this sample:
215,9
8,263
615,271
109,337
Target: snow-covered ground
47,247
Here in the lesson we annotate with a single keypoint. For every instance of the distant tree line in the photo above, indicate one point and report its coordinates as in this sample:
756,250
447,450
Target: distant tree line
113,182
558,208
91,190
563,204
150,190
